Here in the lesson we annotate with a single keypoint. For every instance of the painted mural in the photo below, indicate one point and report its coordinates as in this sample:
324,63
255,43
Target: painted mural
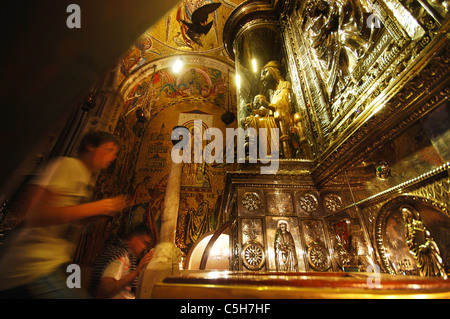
152,107
179,32
156,100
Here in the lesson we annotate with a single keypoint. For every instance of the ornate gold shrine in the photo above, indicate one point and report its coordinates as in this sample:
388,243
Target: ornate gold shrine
359,75
358,91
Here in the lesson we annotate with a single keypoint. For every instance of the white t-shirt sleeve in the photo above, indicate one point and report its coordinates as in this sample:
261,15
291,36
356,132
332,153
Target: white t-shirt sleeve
67,177
114,270
55,175
118,268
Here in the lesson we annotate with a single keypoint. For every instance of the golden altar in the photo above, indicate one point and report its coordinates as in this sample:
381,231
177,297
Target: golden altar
276,285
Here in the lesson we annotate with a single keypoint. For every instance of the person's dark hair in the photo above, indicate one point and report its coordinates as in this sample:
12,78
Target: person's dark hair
138,230
96,139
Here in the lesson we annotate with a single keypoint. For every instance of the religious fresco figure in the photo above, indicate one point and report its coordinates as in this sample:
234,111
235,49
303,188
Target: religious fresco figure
421,245
155,207
135,55
285,254
139,203
198,220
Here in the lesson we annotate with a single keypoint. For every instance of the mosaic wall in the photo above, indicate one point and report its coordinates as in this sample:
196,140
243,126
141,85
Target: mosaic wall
153,106
153,99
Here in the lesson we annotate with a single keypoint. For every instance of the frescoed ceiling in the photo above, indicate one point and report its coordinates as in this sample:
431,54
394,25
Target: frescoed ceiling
174,35
193,32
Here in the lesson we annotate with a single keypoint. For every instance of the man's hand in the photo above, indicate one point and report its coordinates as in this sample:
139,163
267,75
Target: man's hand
115,204
145,260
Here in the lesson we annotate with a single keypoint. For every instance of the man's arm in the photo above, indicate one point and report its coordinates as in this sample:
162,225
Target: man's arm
42,213
109,287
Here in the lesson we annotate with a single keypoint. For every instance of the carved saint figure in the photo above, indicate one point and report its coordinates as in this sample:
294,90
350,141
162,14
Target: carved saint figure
279,108
421,245
285,255
338,36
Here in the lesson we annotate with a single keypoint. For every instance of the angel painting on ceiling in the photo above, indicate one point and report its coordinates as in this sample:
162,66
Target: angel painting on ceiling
135,56
196,19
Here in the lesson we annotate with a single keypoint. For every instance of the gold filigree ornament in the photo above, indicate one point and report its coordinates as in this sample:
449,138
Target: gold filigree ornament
308,203
251,201
253,256
332,203
318,257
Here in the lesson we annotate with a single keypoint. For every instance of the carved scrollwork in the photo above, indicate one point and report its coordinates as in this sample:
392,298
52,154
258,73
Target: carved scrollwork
438,191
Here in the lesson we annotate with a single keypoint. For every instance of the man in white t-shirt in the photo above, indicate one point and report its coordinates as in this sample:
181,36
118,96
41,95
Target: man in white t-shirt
35,257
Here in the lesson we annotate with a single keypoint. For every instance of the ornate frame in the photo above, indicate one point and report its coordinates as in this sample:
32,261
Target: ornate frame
380,223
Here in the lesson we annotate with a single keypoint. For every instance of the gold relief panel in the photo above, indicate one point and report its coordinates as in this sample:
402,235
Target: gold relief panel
431,187
369,215
279,203
252,230
428,14
335,63
284,248
332,203
412,237
352,249
312,230
317,252
437,191
371,45
348,154
251,202
307,204
378,72
253,254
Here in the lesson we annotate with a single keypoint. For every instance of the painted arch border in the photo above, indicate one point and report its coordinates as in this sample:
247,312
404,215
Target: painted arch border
155,65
